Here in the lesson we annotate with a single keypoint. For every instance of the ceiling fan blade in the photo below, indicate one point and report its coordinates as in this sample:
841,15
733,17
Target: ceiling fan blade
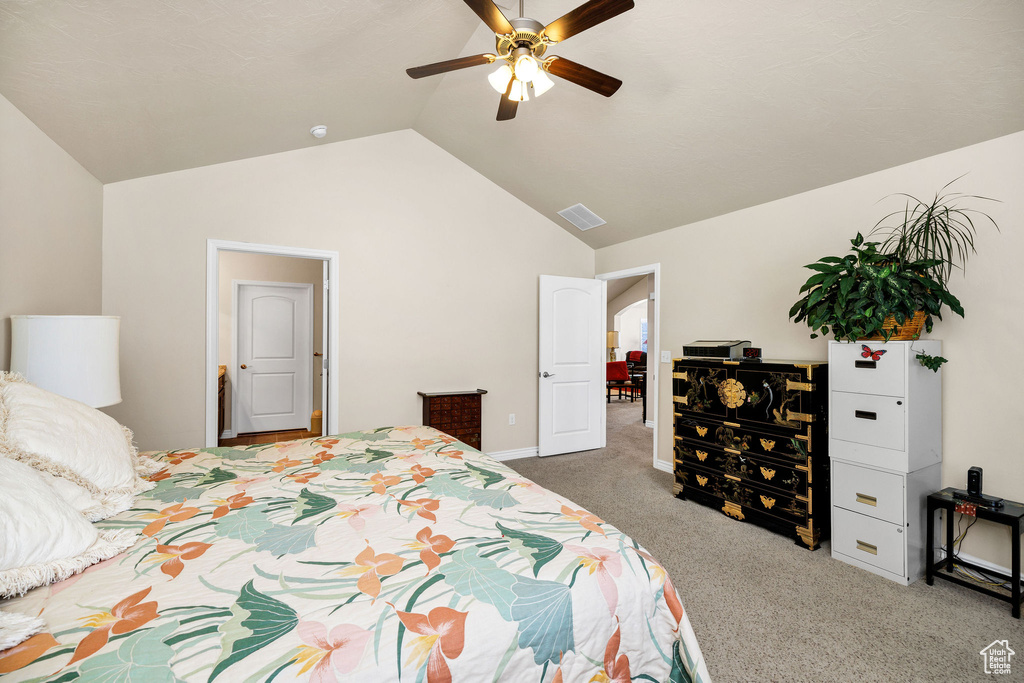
506,107
587,15
449,65
600,83
491,15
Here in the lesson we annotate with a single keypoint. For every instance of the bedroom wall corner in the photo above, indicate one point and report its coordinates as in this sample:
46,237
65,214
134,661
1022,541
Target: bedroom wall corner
438,283
51,213
735,277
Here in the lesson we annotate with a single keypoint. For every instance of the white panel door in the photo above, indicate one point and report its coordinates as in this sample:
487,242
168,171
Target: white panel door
274,356
572,370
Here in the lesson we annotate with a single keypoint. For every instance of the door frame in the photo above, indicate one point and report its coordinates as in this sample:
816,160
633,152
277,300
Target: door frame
653,351
331,301
236,285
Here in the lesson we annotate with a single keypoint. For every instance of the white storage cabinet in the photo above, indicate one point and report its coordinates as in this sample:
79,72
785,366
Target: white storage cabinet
885,444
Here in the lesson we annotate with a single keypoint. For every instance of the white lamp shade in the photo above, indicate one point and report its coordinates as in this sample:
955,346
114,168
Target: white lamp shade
541,83
75,356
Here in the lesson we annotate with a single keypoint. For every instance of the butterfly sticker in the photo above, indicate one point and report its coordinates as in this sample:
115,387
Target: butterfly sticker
873,355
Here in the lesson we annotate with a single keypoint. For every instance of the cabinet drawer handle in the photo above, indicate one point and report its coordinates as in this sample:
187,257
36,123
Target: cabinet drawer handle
865,414
867,547
867,500
865,364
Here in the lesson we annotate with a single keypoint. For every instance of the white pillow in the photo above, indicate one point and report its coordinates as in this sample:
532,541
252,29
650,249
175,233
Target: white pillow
88,456
44,538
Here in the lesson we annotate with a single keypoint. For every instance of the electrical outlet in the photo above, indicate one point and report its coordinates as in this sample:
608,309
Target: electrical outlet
511,418
666,356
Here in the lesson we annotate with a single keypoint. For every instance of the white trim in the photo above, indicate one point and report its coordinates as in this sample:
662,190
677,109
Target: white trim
653,350
649,423
991,566
228,434
515,454
213,321
661,465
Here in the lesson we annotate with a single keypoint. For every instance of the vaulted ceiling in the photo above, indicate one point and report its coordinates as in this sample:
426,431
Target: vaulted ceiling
724,105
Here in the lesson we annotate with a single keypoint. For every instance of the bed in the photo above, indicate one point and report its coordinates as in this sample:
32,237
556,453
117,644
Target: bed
384,555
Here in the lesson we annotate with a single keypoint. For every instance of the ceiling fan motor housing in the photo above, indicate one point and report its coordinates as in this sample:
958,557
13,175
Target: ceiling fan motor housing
527,35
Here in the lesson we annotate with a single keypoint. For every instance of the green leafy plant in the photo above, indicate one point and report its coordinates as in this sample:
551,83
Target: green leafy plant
851,296
941,230
933,363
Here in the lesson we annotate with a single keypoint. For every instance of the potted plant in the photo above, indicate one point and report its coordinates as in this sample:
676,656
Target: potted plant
892,290
851,296
941,230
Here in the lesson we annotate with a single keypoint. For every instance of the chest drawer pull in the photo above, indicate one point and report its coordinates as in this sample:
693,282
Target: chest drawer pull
865,364
865,414
867,500
867,547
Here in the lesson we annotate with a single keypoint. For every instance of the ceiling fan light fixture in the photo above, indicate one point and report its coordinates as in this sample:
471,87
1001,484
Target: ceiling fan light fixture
499,79
526,65
518,92
541,84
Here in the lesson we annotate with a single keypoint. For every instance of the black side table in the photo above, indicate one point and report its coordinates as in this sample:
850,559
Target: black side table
1011,514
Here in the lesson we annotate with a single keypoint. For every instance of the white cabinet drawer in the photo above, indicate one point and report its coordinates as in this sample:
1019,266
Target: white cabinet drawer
850,370
872,420
869,492
869,540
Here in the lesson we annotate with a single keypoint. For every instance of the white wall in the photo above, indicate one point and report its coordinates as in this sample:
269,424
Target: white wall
51,212
438,287
237,265
735,277
627,322
638,292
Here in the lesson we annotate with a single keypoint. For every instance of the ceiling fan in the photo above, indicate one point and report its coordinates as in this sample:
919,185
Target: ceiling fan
521,44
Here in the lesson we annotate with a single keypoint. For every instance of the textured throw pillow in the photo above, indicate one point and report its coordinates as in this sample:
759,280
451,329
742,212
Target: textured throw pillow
87,456
44,538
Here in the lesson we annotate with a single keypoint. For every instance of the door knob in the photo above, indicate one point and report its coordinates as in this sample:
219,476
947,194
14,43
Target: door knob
243,366
547,374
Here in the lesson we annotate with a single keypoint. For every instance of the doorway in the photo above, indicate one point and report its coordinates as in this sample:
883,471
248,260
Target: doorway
572,356
276,277
633,311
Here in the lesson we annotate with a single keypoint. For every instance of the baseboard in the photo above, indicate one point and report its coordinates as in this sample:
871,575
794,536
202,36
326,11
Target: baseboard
649,423
228,434
515,454
991,566
663,466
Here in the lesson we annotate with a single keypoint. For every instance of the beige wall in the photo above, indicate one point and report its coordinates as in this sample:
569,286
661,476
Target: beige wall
637,292
628,324
51,212
735,277
439,273
236,265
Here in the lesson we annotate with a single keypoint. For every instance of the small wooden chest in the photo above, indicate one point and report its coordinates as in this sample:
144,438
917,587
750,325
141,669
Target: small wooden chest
456,413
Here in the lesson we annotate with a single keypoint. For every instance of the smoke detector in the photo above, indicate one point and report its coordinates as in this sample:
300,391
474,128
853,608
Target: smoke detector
318,131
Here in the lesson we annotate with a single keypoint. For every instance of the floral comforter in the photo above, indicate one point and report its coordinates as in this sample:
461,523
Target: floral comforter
397,554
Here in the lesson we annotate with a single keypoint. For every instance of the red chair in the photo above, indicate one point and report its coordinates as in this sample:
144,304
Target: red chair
617,377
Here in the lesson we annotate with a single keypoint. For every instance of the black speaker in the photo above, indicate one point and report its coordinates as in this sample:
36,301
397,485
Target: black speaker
974,481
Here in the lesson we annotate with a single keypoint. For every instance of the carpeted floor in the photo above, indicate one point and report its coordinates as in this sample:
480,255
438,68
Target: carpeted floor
765,609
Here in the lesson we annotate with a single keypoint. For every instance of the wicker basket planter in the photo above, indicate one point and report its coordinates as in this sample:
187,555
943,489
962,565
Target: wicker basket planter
908,331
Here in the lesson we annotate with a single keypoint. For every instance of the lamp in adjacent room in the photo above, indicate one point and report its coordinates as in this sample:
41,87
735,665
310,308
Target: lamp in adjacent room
75,356
613,342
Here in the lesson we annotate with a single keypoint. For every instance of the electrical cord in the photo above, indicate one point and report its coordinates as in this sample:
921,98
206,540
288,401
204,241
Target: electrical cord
976,575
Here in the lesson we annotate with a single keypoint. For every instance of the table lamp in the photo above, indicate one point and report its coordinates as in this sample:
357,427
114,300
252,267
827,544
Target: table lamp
75,356
613,342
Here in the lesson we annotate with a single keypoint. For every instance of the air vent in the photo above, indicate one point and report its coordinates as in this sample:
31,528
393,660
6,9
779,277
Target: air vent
582,217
